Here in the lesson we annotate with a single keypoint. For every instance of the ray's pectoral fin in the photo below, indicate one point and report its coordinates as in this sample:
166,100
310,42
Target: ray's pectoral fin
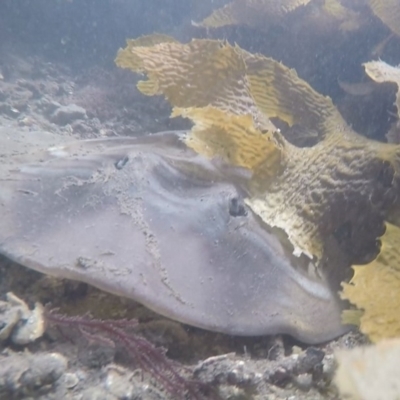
152,220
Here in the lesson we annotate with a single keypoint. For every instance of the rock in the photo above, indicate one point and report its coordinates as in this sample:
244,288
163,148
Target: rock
48,106
24,375
303,381
281,372
309,360
233,393
70,380
226,369
67,114
118,383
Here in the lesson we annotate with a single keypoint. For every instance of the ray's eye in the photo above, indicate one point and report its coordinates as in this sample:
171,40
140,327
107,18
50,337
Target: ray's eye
237,208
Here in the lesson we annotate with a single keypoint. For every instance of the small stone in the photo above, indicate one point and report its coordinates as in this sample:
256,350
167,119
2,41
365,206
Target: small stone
14,111
309,359
233,393
118,383
329,366
67,114
70,380
282,372
297,350
304,381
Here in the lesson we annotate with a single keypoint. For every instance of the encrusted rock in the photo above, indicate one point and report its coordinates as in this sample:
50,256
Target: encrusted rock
226,369
22,374
295,366
67,114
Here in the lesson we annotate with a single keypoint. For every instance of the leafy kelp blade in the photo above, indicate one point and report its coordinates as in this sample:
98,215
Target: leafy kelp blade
375,289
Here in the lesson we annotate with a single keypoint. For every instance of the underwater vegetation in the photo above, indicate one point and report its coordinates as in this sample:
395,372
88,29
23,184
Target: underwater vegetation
338,179
150,359
273,214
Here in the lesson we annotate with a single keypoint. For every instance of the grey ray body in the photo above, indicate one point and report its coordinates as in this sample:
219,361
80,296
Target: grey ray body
148,219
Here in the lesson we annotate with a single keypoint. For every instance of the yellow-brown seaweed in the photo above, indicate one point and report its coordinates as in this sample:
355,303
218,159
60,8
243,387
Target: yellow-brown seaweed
230,95
375,289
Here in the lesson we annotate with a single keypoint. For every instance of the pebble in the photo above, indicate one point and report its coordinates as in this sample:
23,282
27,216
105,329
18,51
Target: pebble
303,381
118,383
70,380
